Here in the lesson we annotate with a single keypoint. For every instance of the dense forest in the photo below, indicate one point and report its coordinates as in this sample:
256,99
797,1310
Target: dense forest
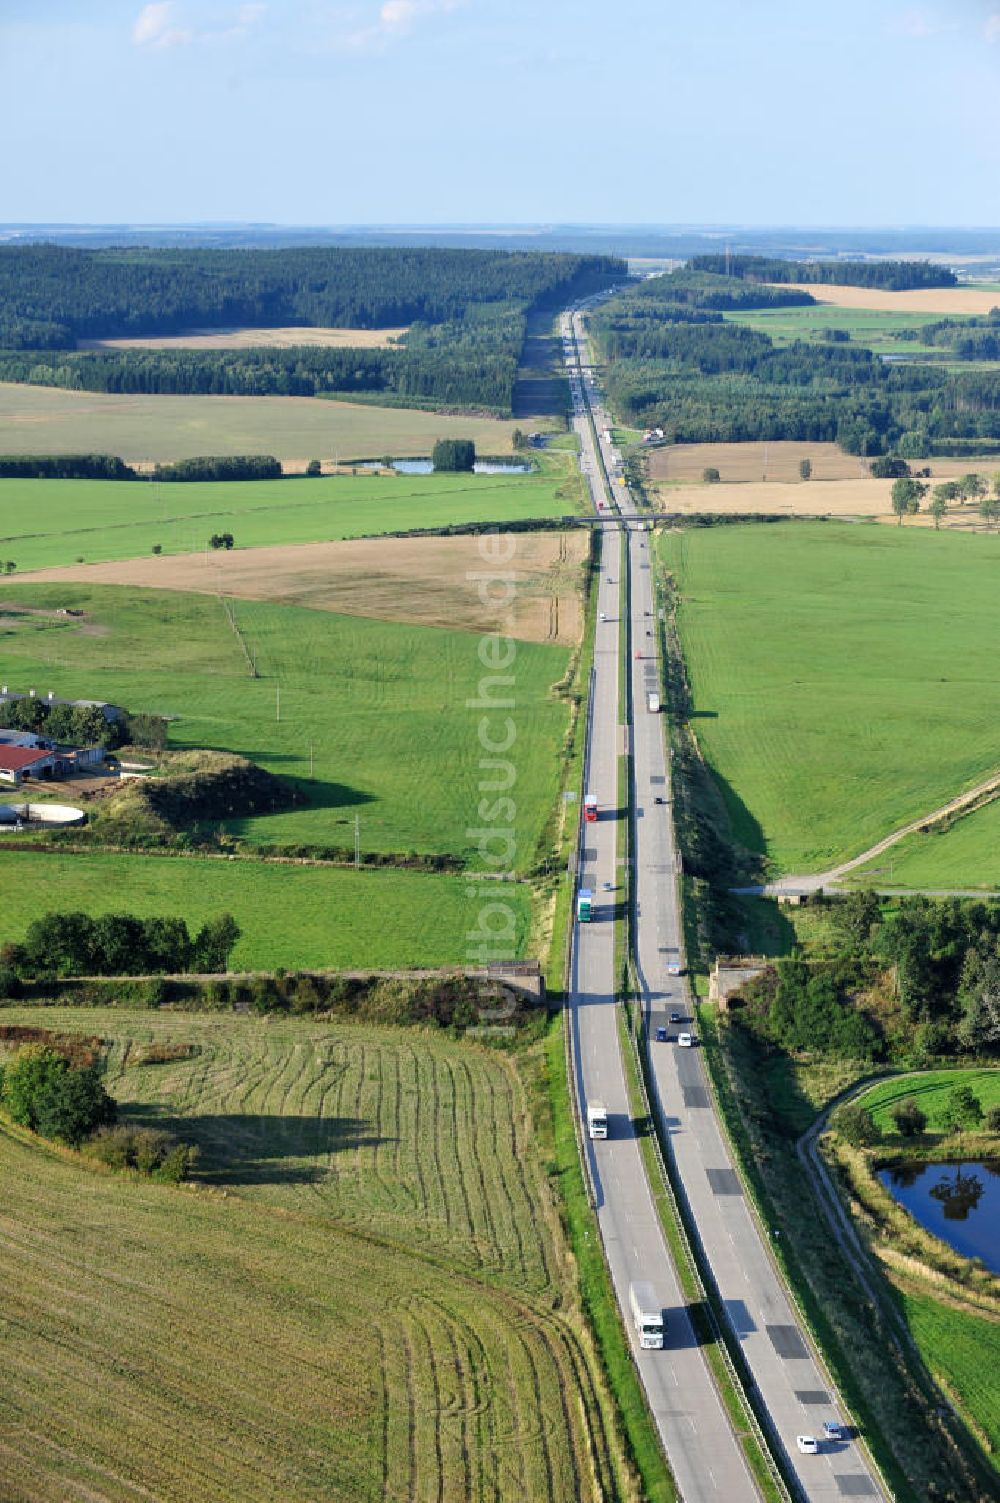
51,296
894,276
466,312
674,362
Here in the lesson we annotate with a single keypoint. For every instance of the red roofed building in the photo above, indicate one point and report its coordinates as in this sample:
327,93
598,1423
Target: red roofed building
20,762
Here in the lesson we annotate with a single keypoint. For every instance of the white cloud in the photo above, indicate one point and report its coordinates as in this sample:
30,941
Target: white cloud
397,18
155,27
991,31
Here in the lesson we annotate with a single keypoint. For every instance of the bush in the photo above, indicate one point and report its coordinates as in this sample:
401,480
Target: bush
42,1091
145,1149
710,475
963,1110
857,1126
993,1119
314,467
910,1121
10,986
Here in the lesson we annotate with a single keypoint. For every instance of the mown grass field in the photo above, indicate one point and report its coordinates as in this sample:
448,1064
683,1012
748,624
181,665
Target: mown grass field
47,523
964,857
294,916
359,1306
380,711
930,1089
964,1350
843,676
874,328
42,420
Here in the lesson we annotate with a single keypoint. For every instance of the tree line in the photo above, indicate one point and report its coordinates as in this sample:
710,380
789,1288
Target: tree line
894,276
82,725
118,944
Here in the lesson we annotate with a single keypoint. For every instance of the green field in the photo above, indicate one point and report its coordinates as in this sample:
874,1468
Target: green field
292,916
964,1349
843,677
43,420
360,1304
380,708
45,523
930,1089
873,328
964,857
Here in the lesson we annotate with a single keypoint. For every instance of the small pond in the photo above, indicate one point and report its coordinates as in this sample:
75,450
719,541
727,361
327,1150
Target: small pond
958,1202
481,467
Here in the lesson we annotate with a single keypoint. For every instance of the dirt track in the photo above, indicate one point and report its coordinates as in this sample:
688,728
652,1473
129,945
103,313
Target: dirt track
423,580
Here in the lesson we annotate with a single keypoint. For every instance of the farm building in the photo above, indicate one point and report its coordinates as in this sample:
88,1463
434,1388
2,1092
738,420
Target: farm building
109,711
20,762
26,739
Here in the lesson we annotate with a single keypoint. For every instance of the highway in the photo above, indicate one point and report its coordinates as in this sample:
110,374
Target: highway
699,1444
703,1453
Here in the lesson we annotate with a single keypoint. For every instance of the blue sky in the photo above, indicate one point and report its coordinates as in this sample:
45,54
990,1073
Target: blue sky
864,112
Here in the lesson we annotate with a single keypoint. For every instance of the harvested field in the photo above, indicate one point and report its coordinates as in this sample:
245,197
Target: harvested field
753,461
780,461
845,498
248,339
260,1339
421,580
930,300
42,420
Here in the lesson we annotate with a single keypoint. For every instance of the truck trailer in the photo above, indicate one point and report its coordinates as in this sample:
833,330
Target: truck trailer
647,1315
653,702
597,1119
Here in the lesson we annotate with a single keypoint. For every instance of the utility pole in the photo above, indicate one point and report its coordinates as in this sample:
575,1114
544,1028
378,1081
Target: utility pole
357,840
277,701
310,759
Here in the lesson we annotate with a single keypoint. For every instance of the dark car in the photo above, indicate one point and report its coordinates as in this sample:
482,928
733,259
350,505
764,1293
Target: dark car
661,1035
676,1017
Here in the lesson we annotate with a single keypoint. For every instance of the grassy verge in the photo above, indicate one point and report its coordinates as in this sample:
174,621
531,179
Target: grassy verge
596,1290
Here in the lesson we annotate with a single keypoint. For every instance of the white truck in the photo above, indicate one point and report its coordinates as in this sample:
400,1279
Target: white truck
647,1315
597,1119
653,702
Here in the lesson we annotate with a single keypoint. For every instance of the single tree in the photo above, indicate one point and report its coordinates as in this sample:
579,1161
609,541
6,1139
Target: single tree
963,1110
454,454
857,1125
906,497
993,1119
214,943
314,467
805,469
970,487
910,1121
710,475
157,548
989,509
940,496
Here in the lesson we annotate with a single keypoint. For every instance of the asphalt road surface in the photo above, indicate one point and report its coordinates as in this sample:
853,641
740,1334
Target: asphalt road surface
697,1437
702,1450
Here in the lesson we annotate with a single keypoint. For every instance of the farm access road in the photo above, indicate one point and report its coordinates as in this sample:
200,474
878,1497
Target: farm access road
785,1369
793,886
